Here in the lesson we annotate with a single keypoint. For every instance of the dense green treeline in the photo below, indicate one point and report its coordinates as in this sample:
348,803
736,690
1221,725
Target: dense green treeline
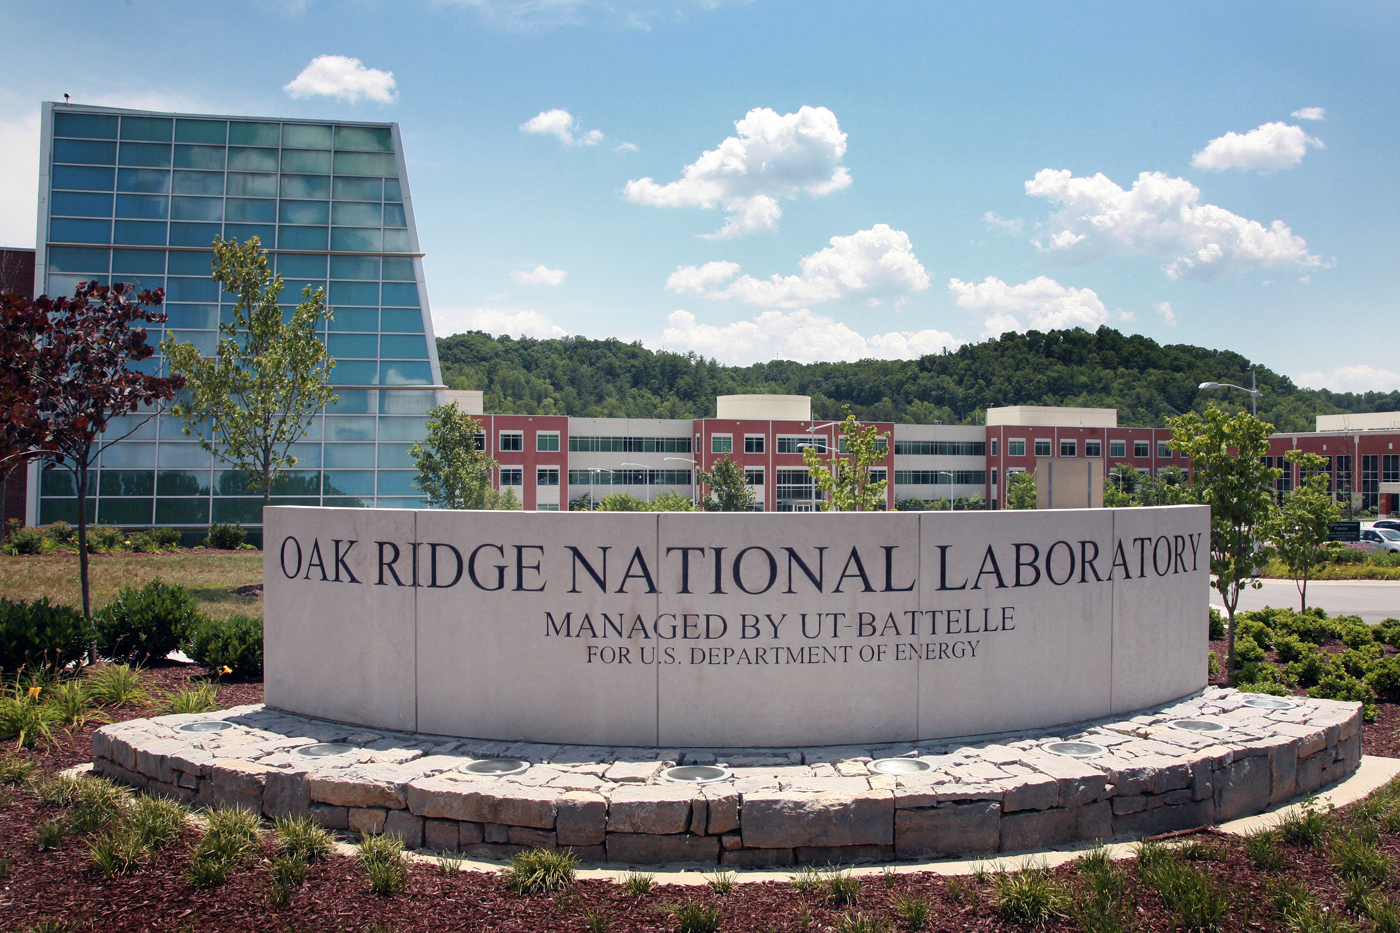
1146,381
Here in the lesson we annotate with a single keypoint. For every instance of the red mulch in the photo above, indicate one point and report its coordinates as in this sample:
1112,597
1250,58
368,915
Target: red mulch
336,897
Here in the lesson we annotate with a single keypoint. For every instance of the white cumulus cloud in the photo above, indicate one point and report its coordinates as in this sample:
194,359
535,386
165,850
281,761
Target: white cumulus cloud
1358,378
19,164
1040,304
540,275
796,335
342,77
870,265
1311,113
1159,216
1164,308
562,126
772,157
517,322
1268,148
999,223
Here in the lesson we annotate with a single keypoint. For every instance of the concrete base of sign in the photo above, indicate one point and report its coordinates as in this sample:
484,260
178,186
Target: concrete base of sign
979,795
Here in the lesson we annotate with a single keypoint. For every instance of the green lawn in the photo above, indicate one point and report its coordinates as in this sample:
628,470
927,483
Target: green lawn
209,578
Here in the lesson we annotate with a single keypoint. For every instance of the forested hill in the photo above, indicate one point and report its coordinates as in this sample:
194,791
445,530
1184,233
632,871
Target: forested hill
1145,381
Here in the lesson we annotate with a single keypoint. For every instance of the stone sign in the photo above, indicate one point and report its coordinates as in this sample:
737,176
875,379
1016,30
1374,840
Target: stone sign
727,630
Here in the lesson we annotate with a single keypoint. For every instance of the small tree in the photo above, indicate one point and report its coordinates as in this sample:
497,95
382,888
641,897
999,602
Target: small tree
845,477
1020,490
729,487
498,501
1229,476
621,502
74,358
1303,522
671,501
453,469
268,377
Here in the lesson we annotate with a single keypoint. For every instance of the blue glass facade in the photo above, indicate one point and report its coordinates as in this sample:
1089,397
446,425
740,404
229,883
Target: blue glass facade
129,196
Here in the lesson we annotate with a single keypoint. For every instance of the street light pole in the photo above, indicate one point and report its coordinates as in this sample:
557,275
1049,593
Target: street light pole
645,475
694,480
952,496
814,427
1253,393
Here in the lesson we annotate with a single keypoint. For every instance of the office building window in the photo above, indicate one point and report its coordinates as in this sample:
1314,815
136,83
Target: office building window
512,440
547,440
1390,468
1163,451
753,476
878,474
994,447
512,476
721,444
547,476
794,444
547,507
1093,448
994,478
1117,448
881,443
753,444
1016,447
1141,448
1042,447
1069,448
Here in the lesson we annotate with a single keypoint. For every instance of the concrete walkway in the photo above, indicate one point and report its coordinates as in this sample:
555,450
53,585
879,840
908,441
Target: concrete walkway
1373,600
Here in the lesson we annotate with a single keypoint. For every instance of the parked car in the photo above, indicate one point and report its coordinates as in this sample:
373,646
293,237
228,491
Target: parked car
1390,523
1384,539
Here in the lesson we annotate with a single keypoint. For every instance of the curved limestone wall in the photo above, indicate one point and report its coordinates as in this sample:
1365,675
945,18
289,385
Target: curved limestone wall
777,806
732,630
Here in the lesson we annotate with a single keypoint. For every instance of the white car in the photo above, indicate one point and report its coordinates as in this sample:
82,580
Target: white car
1384,539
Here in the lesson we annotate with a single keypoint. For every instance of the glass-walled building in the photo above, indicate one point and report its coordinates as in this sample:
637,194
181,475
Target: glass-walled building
130,196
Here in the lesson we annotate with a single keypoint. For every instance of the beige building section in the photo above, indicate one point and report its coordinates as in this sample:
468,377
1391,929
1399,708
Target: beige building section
763,407
1037,416
1069,484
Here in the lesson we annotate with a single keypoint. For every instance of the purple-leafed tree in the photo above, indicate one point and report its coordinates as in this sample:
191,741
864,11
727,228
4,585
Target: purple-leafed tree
71,362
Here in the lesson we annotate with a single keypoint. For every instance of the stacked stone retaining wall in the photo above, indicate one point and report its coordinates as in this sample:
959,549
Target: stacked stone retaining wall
781,807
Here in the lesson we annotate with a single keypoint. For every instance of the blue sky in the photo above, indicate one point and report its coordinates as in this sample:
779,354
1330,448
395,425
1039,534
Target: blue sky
758,180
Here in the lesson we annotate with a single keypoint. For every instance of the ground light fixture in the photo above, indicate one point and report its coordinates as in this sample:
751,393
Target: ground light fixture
324,750
1268,702
1075,749
496,767
696,774
899,766
211,725
1198,725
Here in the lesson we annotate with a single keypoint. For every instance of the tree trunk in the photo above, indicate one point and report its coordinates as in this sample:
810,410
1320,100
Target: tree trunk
82,478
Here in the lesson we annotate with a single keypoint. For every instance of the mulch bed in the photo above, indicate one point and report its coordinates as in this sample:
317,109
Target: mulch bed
63,884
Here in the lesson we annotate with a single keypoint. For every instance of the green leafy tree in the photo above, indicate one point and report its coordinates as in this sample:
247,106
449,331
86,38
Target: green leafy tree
672,501
845,477
1229,476
729,488
498,501
1300,533
255,398
621,502
453,470
1020,490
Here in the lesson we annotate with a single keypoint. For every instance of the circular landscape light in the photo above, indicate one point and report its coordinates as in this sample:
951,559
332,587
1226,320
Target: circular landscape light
696,774
899,766
211,725
1268,702
1198,725
499,767
1075,749
324,750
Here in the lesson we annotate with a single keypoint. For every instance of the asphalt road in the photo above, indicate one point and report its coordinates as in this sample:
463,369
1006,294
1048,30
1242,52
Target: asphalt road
1373,600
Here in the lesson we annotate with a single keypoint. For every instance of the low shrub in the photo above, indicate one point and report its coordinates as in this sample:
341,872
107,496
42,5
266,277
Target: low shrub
200,697
1288,648
1388,632
60,534
381,858
1032,897
235,643
695,917
42,636
224,537
1262,848
638,884
104,539
1338,685
303,838
146,622
1260,633
1384,678
1356,634
23,539
540,871
25,719
1217,624
1247,651
116,684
